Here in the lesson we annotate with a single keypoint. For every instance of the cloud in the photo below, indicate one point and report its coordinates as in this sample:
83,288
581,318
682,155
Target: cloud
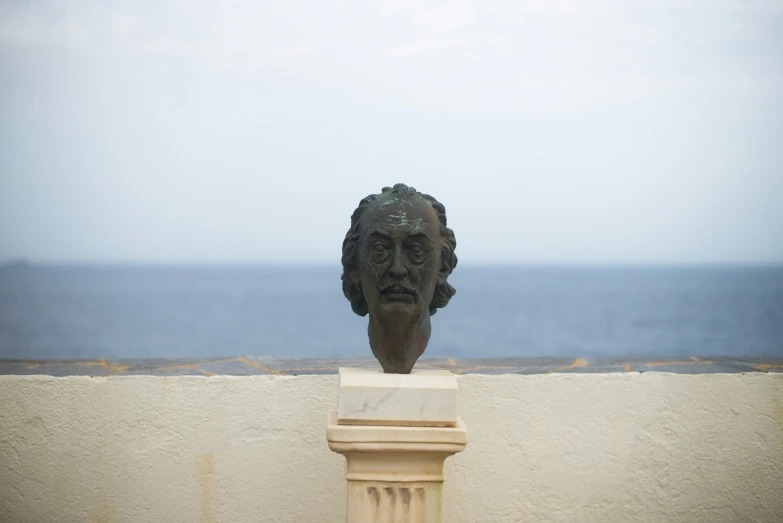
486,53
198,109
390,8
451,16
422,46
434,44
560,7
122,24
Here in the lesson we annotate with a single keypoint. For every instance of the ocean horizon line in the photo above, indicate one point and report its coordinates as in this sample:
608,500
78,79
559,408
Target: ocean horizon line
28,263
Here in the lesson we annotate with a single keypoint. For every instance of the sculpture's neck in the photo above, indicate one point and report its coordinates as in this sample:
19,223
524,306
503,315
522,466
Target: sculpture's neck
398,343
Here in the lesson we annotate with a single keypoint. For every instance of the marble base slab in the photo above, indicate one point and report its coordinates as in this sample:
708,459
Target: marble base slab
423,398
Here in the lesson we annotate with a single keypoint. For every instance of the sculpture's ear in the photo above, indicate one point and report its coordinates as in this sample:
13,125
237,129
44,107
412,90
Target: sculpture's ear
355,277
443,273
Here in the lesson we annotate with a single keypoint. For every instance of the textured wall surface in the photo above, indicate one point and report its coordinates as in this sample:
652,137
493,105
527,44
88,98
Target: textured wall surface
560,447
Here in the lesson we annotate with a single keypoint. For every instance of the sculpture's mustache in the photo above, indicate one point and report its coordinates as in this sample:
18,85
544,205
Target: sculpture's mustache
396,288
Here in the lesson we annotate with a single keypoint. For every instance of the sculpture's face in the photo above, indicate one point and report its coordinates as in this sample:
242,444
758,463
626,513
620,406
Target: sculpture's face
399,256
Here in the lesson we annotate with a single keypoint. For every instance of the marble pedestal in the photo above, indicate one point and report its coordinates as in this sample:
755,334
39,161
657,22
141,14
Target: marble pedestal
396,432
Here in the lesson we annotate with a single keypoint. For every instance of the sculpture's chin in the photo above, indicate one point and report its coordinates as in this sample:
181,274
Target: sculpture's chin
397,308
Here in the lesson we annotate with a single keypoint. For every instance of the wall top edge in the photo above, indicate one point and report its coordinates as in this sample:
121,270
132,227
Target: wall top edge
266,366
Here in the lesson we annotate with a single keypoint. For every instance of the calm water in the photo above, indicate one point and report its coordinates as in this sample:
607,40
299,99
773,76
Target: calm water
141,312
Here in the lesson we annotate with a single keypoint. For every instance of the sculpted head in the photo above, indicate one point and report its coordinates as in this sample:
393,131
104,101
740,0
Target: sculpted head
397,257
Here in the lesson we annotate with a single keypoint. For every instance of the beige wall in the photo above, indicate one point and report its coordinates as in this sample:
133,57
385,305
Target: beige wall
560,447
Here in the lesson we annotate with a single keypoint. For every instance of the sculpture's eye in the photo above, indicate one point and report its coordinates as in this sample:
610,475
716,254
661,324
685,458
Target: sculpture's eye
416,252
379,251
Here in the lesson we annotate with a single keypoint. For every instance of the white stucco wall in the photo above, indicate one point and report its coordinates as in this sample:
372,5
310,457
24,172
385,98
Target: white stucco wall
561,447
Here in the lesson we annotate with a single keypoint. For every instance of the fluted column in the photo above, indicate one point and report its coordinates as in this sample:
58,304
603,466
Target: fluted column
412,496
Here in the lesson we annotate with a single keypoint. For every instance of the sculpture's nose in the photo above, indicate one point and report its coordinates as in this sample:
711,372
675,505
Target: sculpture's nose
397,269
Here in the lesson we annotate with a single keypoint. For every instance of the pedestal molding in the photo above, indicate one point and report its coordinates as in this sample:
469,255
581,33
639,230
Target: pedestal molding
337,431
395,447
394,478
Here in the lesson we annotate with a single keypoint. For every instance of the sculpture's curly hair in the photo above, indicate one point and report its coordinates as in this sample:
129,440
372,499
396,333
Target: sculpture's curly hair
350,259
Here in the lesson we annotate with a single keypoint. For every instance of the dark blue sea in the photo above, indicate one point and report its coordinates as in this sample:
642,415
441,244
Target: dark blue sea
66,312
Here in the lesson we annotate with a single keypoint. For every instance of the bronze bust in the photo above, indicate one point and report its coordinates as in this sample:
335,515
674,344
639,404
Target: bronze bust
397,257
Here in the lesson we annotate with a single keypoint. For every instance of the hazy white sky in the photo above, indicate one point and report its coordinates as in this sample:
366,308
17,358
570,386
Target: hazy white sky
575,131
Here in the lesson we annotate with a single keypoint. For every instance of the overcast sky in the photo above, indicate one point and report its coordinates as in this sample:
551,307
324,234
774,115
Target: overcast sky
554,131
